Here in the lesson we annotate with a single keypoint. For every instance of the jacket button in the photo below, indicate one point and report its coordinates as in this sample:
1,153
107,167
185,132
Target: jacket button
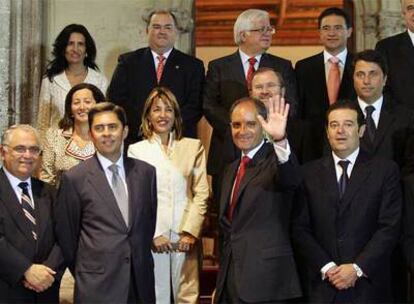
127,260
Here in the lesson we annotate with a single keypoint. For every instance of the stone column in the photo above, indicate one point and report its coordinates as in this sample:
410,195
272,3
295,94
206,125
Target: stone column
4,62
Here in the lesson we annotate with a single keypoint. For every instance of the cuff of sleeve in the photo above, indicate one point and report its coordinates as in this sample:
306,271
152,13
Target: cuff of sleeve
358,270
282,150
325,269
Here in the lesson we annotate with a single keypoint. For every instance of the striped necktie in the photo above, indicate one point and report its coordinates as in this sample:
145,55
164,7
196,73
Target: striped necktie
28,207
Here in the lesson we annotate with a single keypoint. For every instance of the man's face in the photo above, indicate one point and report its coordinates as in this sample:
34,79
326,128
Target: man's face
255,42
334,33
161,33
343,132
369,81
266,85
246,130
407,7
21,155
108,135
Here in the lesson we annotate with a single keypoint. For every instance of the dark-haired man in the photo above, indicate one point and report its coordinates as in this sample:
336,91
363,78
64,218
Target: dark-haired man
105,217
324,78
159,64
347,219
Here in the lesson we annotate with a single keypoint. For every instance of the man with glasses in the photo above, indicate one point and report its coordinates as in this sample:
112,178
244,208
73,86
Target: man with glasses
324,78
29,257
159,64
229,78
257,264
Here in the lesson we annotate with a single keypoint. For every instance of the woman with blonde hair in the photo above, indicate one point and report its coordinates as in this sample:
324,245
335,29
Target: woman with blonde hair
182,196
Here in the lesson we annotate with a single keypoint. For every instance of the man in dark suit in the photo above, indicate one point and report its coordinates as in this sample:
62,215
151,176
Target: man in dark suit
348,217
392,124
317,85
105,217
227,80
399,53
29,256
160,64
257,264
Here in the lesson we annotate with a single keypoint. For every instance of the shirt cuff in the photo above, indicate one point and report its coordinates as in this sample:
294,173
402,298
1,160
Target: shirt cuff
325,269
359,271
281,151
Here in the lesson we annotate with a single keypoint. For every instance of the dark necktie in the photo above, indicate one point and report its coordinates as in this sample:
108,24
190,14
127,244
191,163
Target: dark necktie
250,71
120,192
370,124
28,210
240,174
343,180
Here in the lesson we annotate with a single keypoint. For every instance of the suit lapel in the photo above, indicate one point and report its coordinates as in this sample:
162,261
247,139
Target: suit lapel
385,122
12,204
133,191
320,82
41,208
407,49
329,182
97,178
147,64
236,68
228,180
346,81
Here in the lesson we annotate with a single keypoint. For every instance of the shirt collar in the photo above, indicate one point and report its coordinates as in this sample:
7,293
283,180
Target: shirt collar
245,58
351,157
105,162
341,56
166,54
14,181
253,152
411,35
377,104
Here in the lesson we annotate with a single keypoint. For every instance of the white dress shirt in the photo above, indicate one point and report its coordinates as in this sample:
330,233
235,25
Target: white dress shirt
376,104
14,182
106,163
342,59
245,61
411,34
156,60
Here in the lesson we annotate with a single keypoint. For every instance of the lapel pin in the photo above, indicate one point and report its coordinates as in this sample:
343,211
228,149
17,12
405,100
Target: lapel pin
177,67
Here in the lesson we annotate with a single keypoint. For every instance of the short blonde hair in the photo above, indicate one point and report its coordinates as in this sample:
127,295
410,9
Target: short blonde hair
168,98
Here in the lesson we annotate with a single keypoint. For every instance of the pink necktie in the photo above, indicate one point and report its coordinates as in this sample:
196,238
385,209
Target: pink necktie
250,71
334,80
160,67
240,174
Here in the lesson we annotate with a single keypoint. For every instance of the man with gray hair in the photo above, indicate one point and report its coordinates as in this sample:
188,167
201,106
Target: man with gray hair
228,79
29,256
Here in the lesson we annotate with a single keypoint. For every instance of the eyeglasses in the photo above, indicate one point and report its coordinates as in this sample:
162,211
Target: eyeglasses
335,28
167,27
264,30
20,149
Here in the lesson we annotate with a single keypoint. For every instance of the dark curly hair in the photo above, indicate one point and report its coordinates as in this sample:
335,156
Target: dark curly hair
59,63
67,121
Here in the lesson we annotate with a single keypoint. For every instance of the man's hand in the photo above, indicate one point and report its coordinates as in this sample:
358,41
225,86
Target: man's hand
186,242
161,244
277,116
39,277
343,277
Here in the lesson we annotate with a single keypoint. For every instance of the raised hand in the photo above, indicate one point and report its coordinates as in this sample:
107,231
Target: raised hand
277,116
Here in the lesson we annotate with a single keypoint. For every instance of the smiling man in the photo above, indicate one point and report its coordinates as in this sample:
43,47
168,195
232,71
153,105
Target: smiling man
105,217
324,78
138,72
257,264
347,218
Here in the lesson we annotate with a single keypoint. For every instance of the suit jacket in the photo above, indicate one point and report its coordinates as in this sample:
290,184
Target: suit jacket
258,238
135,77
18,250
314,102
408,218
362,228
101,251
395,126
398,51
225,83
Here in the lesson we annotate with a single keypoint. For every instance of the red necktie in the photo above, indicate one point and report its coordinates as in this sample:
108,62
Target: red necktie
250,71
240,174
334,80
160,67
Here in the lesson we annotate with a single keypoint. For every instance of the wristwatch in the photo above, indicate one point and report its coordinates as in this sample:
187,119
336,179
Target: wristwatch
358,270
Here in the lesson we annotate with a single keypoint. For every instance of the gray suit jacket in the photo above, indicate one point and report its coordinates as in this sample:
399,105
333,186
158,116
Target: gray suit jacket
106,257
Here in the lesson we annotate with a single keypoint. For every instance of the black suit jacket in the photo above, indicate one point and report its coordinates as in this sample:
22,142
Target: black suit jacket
395,127
362,228
398,51
258,239
225,83
408,219
314,102
135,77
103,252
18,250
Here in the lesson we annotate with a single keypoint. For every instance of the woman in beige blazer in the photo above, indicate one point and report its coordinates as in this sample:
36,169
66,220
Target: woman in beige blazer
182,196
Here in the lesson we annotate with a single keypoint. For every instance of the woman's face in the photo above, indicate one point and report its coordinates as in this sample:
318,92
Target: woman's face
82,102
75,51
161,117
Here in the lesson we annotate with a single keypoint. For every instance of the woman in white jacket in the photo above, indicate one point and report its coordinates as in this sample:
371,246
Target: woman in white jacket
182,197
